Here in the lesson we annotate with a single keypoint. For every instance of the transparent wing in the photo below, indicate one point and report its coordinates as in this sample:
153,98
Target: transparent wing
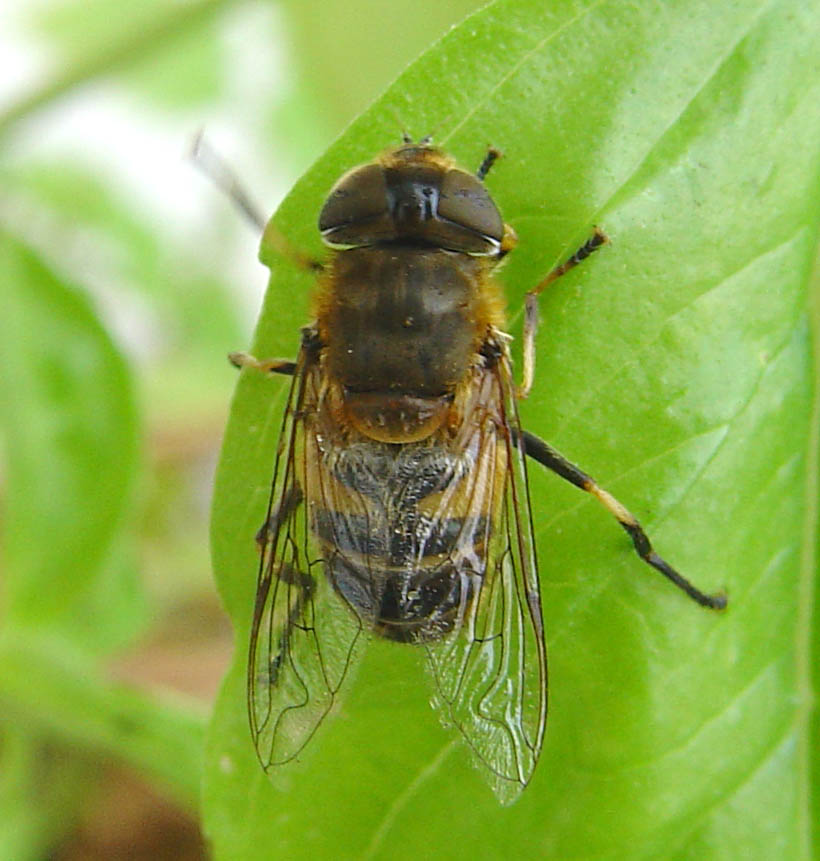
491,673
304,639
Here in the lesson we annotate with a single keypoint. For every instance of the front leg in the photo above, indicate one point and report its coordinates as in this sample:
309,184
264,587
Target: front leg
594,242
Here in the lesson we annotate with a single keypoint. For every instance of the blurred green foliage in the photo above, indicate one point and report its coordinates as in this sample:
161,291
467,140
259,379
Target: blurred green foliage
677,366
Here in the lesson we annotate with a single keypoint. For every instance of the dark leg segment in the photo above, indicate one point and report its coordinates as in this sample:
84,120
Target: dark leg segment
547,456
490,159
304,583
279,515
304,586
594,242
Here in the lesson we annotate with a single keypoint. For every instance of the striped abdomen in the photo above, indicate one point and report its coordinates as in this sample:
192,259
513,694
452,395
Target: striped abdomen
404,554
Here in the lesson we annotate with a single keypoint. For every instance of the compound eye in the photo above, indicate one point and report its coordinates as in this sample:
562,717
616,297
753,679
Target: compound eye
356,210
464,201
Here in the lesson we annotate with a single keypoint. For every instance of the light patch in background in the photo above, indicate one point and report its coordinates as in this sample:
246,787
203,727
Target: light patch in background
141,153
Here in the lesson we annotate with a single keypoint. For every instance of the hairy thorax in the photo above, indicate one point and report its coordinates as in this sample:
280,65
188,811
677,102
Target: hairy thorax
406,325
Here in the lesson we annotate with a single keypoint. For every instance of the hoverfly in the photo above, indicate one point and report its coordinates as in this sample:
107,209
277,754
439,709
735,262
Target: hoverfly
399,505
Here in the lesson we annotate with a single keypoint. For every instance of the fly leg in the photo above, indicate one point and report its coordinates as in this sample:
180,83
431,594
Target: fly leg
300,588
225,179
266,366
278,515
310,342
546,455
594,242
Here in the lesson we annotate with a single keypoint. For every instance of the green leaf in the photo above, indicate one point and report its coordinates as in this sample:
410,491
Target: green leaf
675,365
70,439
70,588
